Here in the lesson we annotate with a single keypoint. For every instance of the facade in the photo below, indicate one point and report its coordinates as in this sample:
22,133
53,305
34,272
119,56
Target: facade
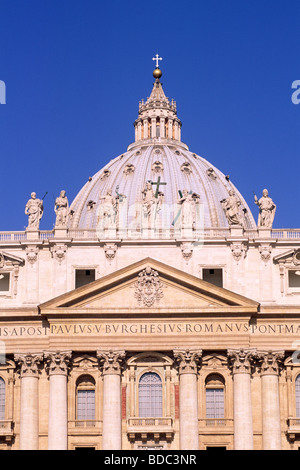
157,314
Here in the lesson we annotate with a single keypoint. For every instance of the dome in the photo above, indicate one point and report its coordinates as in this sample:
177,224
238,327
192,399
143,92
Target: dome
159,156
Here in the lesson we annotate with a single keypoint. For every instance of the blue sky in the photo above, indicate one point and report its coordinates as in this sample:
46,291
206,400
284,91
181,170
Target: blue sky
75,71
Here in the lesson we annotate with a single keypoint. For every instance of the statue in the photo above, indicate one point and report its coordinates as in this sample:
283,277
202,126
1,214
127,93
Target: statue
34,209
108,210
148,199
267,210
231,206
188,210
61,209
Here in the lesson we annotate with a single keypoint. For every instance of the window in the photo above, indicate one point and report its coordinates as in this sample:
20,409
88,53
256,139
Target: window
85,398
83,277
294,278
4,282
2,399
297,392
150,395
214,276
214,397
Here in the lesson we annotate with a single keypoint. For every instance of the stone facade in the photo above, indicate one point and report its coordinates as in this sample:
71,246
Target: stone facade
197,325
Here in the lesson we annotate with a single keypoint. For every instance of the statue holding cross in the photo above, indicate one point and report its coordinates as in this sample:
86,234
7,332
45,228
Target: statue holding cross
151,201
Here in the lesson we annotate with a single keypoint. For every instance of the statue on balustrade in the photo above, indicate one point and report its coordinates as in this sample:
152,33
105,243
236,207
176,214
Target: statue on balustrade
34,209
267,210
61,209
232,209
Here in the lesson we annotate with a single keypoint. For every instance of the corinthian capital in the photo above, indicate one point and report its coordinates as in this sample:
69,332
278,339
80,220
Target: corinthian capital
188,360
29,364
58,362
270,362
111,361
241,360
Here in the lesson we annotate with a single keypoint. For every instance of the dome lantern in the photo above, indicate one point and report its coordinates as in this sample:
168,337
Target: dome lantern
157,120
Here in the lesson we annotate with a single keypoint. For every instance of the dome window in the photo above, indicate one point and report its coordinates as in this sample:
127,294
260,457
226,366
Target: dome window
186,168
211,173
129,169
105,174
157,167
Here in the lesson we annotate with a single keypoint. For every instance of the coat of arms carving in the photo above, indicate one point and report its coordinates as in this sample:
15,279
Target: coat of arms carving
148,287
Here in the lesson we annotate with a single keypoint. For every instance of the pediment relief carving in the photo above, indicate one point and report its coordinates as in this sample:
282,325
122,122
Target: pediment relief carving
214,360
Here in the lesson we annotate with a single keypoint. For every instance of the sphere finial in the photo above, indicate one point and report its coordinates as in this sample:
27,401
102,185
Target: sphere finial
157,73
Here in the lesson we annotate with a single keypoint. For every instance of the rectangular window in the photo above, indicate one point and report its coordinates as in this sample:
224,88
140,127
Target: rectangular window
86,404
4,282
214,403
2,399
84,276
294,278
214,276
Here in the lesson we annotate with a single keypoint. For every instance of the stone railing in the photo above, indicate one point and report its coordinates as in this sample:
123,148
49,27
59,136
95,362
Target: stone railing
145,423
84,424
170,234
294,423
215,422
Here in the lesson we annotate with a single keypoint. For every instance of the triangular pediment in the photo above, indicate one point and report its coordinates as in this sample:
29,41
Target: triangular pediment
289,257
7,259
148,286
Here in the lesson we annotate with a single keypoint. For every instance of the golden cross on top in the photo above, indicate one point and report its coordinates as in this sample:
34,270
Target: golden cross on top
157,58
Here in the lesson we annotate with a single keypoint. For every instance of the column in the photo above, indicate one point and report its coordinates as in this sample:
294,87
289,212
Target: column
176,130
139,130
241,361
57,367
162,127
170,129
145,123
29,411
111,362
188,360
271,429
153,127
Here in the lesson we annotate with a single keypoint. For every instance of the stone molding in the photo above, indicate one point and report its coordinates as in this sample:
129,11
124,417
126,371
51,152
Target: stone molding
186,250
57,363
111,361
187,360
265,252
110,251
238,250
29,364
58,252
241,360
32,254
271,362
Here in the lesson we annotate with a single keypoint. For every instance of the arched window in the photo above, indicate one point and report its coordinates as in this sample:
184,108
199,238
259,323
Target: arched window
297,392
214,386
85,390
2,399
150,395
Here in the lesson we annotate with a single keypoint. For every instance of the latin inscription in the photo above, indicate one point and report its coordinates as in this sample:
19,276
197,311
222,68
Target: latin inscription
149,328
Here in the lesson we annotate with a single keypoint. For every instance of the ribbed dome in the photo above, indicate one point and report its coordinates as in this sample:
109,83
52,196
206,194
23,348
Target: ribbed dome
176,166
158,153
